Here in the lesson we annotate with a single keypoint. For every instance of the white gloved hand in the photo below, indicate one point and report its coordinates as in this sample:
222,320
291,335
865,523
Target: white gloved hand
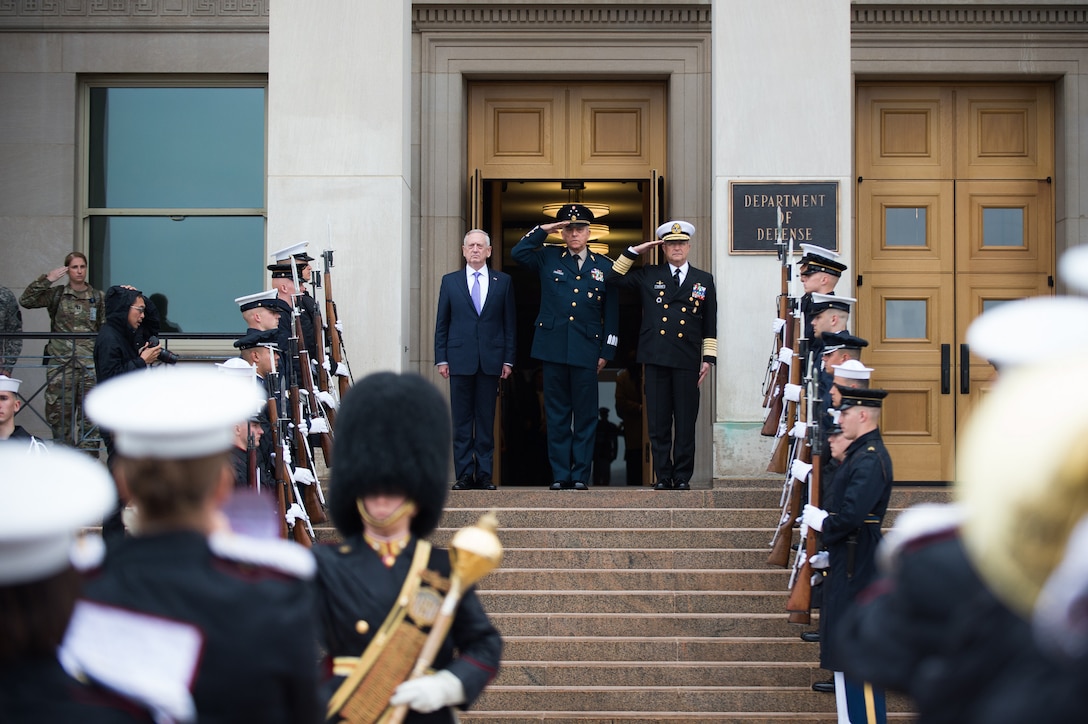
819,561
430,693
813,517
800,470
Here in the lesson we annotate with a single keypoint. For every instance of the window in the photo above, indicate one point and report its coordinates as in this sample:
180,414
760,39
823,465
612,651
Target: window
175,196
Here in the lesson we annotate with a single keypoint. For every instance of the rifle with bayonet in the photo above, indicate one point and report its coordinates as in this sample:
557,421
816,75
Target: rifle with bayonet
799,604
339,367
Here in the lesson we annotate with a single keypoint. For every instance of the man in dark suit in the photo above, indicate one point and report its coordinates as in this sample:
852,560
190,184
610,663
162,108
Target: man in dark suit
474,349
677,343
575,335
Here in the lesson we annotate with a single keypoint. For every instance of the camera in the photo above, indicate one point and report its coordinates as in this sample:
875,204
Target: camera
165,356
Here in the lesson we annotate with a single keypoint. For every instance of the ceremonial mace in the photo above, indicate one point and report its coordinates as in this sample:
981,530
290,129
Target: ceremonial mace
475,551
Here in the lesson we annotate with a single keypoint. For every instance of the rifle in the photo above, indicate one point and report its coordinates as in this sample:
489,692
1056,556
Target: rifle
799,604
312,498
252,480
323,428
281,465
336,343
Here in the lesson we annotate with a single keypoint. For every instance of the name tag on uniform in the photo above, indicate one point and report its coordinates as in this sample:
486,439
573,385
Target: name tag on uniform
558,271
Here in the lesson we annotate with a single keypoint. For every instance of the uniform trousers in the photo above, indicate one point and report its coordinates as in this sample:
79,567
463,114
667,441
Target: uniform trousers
570,404
472,406
672,399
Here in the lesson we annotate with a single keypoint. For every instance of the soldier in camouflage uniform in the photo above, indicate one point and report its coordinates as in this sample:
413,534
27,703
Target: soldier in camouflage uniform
11,320
74,307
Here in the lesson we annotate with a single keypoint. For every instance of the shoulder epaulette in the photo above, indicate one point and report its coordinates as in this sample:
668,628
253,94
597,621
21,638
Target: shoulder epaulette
278,555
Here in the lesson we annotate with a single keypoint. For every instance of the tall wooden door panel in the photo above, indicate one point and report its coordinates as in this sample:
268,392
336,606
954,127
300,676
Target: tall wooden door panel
955,215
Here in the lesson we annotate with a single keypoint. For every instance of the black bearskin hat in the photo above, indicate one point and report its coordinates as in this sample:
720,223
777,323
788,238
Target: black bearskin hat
392,436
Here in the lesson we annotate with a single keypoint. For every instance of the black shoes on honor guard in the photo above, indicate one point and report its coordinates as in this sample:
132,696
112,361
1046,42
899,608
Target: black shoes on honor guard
467,482
672,485
568,485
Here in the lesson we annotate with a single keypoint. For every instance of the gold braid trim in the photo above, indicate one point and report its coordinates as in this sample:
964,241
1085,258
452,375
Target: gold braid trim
710,347
623,265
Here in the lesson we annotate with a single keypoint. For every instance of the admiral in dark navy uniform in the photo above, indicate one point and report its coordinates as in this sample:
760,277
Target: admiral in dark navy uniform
228,618
386,496
850,527
575,335
677,343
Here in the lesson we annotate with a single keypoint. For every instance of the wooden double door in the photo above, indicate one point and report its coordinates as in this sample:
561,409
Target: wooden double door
955,215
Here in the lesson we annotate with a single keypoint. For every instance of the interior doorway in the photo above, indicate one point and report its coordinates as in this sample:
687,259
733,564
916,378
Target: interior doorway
508,210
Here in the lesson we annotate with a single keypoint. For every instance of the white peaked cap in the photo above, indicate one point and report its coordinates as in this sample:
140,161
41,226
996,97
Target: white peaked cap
79,491
675,231
852,369
259,296
287,252
813,250
179,412
1027,331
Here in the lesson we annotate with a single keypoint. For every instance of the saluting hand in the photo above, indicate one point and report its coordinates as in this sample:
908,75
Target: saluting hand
554,226
646,245
56,274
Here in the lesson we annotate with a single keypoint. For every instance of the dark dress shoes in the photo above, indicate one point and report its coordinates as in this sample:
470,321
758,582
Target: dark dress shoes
681,485
463,483
560,484
811,636
824,687
483,482
579,485
663,485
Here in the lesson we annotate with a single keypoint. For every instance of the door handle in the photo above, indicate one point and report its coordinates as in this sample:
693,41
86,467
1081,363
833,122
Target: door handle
946,369
965,369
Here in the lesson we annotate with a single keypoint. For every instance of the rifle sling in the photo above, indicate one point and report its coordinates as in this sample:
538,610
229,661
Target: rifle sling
392,621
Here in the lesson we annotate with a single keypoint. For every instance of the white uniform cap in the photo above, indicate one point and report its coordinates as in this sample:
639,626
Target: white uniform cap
288,252
1073,268
675,231
259,296
813,250
822,302
8,384
178,412
238,366
78,490
1026,331
852,369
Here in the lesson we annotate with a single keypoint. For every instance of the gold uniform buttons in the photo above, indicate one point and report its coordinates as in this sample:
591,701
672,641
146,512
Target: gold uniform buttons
345,549
666,306
590,295
683,321
361,627
572,318
664,319
662,331
683,309
574,304
576,291
679,334
578,278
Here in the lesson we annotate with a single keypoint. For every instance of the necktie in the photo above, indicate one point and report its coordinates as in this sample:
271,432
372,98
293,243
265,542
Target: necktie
476,291
676,276
579,261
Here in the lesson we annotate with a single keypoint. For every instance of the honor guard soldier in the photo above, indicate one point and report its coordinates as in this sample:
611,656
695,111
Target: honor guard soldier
288,278
829,314
209,625
247,435
575,335
263,309
9,405
975,615
838,348
378,591
257,349
39,586
820,270
850,527
677,344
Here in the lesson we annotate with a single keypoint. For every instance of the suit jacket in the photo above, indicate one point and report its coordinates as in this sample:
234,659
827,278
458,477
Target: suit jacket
470,342
679,324
578,321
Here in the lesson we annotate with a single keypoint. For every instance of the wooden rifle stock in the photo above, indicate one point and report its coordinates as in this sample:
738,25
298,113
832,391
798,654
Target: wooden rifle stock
799,604
783,374
282,475
335,343
780,458
310,500
323,376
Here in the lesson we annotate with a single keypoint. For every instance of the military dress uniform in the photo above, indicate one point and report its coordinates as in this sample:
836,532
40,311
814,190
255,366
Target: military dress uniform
856,502
356,591
577,325
679,332
71,373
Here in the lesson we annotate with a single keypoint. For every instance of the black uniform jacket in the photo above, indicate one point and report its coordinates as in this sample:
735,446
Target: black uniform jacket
932,629
578,322
675,320
353,584
259,657
856,500
39,690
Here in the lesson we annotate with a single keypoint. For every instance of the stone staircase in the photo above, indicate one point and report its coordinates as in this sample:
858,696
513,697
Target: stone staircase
633,605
